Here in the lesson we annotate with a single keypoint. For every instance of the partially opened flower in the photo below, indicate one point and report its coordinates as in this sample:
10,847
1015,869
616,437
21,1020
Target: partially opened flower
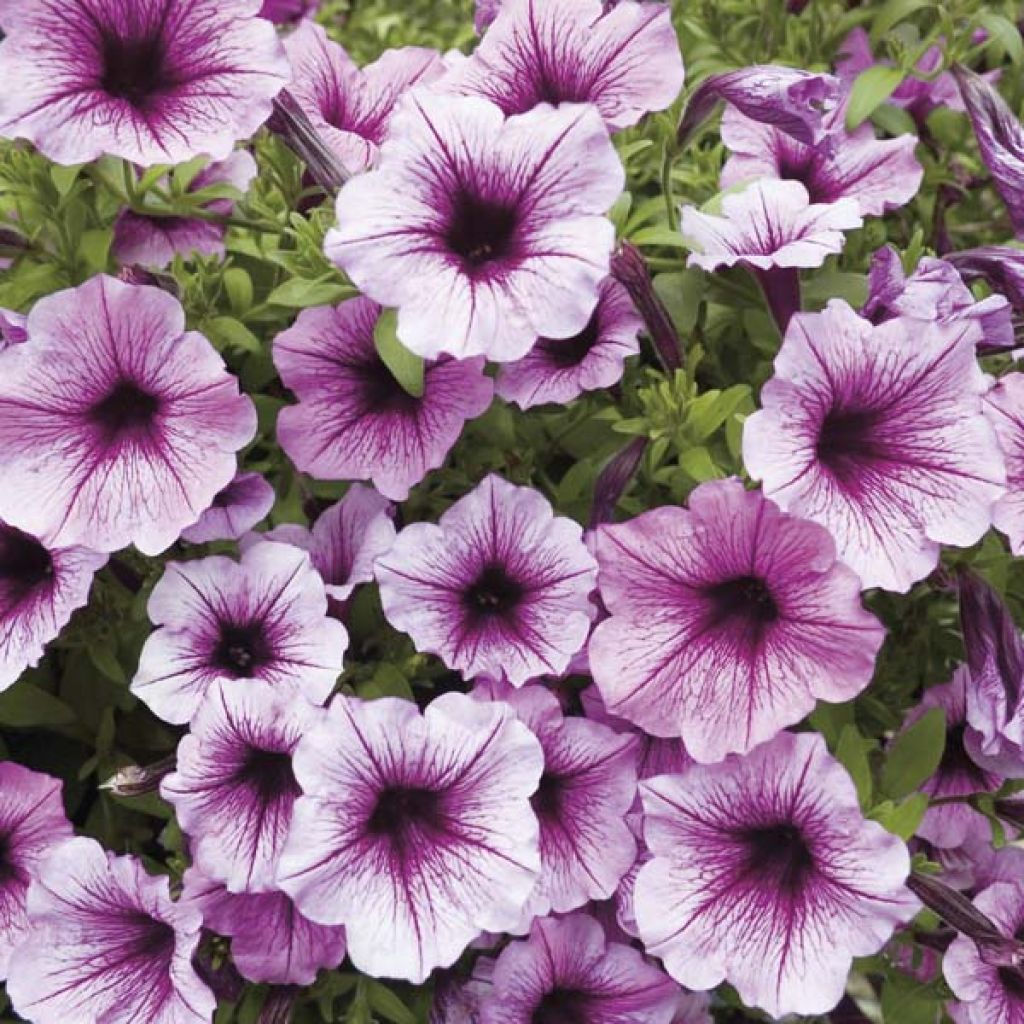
1004,406
767,875
155,241
485,13
117,426
285,12
350,108
271,942
32,822
264,617
12,328
152,83
623,58
567,972
486,232
235,509
40,586
559,369
346,539
354,421
414,831
500,586
588,785
878,433
233,790
106,942
1001,266
729,620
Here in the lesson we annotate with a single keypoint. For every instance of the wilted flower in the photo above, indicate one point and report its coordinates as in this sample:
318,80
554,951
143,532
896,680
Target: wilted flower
117,426
234,510
500,586
1004,406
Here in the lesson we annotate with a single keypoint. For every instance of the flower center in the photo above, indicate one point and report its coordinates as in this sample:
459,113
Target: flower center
24,564
480,232
149,938
566,353
744,600
547,801
382,392
846,441
125,411
402,811
134,70
242,649
493,592
561,1006
1013,981
779,853
269,773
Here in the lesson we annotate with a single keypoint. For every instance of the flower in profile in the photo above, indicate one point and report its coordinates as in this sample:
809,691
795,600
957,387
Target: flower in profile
499,587
264,617
392,802
729,620
354,421
766,874
152,83
1001,266
351,108
622,58
567,971
988,994
155,241
32,822
106,942
271,942
233,789
559,369
878,434
40,586
1004,406
346,539
234,510
485,232
117,426
588,785
485,13
287,12
12,328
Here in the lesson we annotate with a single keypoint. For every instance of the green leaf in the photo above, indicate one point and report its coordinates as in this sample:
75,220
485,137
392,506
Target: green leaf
227,332
299,293
183,175
24,706
386,1004
238,286
387,681
405,365
1003,35
852,753
659,235
830,720
698,464
914,755
150,177
64,177
682,292
871,89
94,248
907,1001
901,819
892,13
104,658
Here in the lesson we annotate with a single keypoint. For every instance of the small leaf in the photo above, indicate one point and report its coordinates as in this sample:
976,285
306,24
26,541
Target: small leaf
901,819
227,332
852,753
299,293
1003,35
872,88
386,1004
906,1000
238,286
892,13
24,706
64,177
659,236
914,755
106,661
406,366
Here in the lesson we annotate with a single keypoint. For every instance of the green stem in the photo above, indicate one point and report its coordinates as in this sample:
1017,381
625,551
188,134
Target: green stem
667,159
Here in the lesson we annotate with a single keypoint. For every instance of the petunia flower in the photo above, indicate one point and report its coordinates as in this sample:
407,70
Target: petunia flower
233,790
151,83
346,539
622,58
32,822
1002,266
155,241
1004,407
286,12
354,421
559,369
567,971
350,108
484,13
12,328
106,942
271,942
729,620
234,510
878,434
40,586
767,875
500,586
117,426
414,831
588,785
264,617
486,232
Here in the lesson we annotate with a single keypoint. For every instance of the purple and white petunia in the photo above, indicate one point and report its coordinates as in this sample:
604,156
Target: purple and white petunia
32,822
354,421
878,434
1004,406
1001,266
567,972
233,789
12,327
286,12
235,509
350,108
499,587
346,539
271,942
40,586
560,369
264,617
106,942
155,241
622,58
414,831
729,620
150,82
588,786
117,426
766,874
485,232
